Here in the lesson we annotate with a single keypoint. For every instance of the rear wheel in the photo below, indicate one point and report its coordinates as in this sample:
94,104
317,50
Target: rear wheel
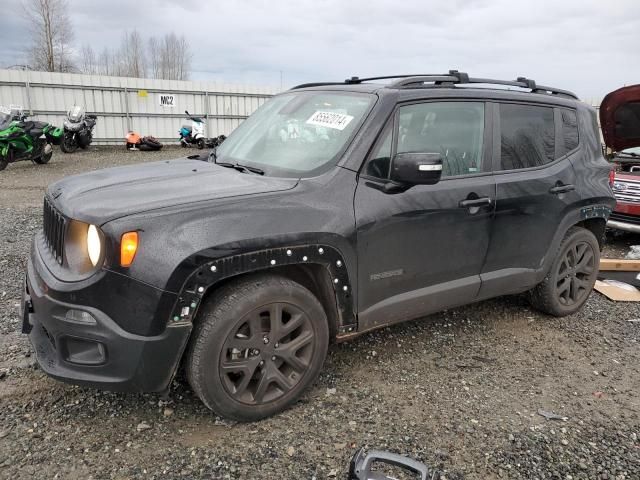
572,275
69,144
261,341
200,143
3,163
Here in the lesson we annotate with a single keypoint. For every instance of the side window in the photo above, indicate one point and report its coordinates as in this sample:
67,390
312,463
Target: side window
527,136
569,129
455,130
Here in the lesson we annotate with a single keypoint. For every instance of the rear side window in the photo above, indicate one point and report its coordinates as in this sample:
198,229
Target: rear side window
527,136
569,129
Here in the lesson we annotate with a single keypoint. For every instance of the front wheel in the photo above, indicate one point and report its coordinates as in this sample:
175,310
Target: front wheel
46,155
572,275
200,143
69,144
3,163
259,343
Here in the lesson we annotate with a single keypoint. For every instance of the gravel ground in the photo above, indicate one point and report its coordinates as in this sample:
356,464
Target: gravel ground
463,391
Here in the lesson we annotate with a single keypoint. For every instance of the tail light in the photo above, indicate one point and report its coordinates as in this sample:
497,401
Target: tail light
612,176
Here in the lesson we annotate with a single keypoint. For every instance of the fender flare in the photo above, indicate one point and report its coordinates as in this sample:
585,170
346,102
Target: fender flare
598,210
205,277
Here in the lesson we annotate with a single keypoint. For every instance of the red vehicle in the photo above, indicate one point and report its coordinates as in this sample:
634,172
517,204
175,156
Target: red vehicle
620,121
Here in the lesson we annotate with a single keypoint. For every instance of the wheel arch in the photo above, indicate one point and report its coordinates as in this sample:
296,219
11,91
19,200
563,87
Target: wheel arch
319,268
592,217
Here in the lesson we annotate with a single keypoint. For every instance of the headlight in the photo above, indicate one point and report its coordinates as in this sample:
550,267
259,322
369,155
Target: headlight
94,245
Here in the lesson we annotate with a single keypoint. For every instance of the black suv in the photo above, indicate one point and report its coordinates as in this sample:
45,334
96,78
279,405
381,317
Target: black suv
336,208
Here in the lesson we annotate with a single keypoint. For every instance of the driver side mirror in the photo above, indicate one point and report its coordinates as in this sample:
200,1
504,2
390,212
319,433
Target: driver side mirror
413,168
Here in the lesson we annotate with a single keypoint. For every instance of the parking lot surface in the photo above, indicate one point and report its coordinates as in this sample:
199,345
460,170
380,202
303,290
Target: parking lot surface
465,391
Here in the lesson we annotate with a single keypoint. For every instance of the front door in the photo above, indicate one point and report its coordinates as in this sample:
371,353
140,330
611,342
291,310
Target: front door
422,249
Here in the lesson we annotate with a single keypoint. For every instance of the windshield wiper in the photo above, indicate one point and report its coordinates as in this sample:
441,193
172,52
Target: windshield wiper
241,168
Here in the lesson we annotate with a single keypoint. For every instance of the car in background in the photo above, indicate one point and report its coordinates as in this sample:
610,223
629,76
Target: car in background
620,121
626,188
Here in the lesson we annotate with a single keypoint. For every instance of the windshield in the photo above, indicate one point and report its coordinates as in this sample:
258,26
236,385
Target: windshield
5,117
632,151
296,134
76,113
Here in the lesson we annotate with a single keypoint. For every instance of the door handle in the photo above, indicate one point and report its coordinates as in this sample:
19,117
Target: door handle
558,189
475,202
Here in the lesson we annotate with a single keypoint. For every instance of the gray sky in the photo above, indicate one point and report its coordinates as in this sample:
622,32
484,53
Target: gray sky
588,46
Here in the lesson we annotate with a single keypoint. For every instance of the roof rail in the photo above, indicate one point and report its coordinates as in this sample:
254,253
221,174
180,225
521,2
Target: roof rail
453,77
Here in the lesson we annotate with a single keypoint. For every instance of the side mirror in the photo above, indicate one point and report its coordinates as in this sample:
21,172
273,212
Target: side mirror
417,168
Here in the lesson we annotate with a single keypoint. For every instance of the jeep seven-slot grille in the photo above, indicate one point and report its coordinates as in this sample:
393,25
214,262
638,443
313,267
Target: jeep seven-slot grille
54,227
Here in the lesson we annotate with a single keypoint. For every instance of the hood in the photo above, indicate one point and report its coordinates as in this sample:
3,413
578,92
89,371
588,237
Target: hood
103,195
620,118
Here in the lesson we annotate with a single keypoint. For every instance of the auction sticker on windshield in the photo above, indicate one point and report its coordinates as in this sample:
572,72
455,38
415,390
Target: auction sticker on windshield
339,121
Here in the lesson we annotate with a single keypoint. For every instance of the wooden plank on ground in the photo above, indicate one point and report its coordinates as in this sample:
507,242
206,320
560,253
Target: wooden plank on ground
619,264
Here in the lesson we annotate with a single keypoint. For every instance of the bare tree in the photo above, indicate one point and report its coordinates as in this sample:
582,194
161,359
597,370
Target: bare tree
153,57
105,63
167,57
171,57
136,61
88,61
51,35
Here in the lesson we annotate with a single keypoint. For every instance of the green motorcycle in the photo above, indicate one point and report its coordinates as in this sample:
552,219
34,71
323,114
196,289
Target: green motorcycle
22,139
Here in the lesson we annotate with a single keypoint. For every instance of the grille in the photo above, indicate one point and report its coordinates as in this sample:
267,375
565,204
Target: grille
626,190
624,217
54,228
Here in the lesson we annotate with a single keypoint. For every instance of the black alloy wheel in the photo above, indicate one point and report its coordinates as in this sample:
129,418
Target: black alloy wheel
258,344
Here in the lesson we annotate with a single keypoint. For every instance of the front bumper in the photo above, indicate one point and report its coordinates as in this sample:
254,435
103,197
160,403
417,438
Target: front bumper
87,347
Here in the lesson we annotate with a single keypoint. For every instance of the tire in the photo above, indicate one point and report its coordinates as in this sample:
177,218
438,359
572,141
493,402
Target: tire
242,314
200,143
68,145
571,277
3,163
45,157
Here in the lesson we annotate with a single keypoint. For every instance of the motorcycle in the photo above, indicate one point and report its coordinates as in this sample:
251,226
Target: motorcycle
193,135
22,139
78,130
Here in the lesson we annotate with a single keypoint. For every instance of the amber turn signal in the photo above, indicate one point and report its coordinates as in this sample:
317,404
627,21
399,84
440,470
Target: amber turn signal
128,248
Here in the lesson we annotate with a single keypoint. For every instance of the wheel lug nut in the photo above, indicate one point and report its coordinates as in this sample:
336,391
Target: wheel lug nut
273,358
265,340
256,351
261,363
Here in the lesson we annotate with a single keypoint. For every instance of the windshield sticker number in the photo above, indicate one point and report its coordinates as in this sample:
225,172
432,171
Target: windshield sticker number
338,121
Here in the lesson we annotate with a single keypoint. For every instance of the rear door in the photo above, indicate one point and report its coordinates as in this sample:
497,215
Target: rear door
535,185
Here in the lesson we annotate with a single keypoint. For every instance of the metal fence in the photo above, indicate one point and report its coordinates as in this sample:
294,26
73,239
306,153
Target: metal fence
147,106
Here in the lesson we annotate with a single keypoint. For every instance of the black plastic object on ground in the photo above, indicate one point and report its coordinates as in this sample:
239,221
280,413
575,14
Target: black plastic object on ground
149,143
361,466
